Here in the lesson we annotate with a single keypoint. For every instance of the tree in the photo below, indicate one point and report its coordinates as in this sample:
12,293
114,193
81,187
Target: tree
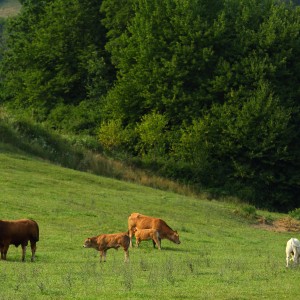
163,60
52,60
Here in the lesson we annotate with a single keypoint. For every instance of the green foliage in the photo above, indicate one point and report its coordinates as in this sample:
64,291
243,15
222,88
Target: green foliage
157,61
77,119
48,61
152,136
295,213
247,211
114,137
221,77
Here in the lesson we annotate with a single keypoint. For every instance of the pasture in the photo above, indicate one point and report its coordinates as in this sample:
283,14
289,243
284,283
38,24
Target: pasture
221,255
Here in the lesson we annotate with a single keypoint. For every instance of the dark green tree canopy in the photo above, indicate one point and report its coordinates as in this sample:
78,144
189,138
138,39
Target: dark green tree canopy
206,91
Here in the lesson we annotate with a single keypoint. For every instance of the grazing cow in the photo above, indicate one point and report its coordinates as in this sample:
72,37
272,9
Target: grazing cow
145,235
103,242
292,250
136,220
17,233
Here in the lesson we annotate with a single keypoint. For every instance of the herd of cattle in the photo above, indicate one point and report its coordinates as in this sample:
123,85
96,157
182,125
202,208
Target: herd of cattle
20,232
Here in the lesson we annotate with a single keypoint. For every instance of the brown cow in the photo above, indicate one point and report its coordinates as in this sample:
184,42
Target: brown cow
103,242
17,233
145,235
136,220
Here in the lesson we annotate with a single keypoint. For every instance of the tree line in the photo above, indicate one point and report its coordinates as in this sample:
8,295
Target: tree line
204,92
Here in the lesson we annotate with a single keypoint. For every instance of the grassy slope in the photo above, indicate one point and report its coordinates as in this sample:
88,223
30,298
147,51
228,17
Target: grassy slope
9,8
220,257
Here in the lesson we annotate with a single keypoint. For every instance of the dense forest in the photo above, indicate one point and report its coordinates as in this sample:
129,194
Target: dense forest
203,92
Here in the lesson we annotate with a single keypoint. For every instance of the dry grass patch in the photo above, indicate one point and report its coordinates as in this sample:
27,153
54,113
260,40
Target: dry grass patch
100,165
286,224
9,8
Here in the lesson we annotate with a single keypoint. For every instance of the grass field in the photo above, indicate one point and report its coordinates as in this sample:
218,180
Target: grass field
221,256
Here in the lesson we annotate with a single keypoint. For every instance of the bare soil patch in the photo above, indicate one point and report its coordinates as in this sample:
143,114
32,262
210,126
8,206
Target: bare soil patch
281,225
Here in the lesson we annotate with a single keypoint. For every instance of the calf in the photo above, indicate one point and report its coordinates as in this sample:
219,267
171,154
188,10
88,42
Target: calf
17,233
147,234
292,250
136,220
103,242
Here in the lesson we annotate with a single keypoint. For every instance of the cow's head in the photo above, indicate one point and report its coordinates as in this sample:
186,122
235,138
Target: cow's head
175,237
87,243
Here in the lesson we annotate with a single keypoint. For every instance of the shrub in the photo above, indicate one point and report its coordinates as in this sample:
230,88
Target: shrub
247,211
152,135
295,213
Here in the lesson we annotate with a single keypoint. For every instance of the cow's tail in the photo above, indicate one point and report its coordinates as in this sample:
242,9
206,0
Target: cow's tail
36,232
127,242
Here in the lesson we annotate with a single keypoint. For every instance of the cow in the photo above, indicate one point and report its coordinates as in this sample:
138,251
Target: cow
103,242
139,221
292,250
18,232
147,234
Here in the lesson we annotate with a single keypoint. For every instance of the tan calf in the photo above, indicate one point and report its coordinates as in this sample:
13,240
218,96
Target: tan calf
103,242
145,235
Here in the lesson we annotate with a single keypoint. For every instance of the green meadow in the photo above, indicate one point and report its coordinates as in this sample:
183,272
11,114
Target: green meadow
221,255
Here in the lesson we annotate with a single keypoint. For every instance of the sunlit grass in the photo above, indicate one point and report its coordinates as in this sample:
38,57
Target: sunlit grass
221,256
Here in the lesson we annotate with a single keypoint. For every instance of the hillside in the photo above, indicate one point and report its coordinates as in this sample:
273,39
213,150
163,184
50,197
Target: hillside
9,8
195,92
221,255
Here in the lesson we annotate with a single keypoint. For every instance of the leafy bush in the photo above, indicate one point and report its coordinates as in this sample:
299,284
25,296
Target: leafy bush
152,135
246,211
295,213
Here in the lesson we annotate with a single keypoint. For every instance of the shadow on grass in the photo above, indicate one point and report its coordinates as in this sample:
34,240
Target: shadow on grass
172,249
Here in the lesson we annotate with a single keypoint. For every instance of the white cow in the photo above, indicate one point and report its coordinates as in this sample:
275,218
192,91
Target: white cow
292,250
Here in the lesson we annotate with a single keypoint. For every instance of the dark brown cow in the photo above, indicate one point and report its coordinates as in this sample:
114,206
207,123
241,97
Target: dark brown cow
136,220
103,242
17,233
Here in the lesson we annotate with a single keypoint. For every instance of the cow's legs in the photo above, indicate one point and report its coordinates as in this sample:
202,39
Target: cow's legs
126,255
33,250
153,243
158,244
4,250
103,255
130,233
23,252
296,257
157,241
287,260
137,242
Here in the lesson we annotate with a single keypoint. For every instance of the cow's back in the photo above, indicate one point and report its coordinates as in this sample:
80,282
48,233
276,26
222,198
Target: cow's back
16,232
145,222
107,241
